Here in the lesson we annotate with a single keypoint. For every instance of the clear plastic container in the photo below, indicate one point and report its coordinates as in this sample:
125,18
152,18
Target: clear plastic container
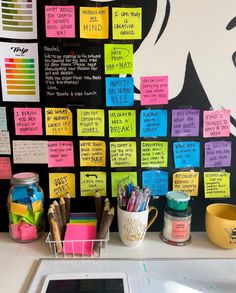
25,207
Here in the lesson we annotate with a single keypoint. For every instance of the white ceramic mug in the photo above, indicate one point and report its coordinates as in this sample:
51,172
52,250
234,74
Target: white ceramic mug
132,226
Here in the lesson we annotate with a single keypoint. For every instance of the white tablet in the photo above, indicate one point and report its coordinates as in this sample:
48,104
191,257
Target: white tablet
86,282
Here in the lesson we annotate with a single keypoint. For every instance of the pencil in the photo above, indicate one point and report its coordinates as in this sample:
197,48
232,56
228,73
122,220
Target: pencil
63,214
98,207
58,214
67,201
54,230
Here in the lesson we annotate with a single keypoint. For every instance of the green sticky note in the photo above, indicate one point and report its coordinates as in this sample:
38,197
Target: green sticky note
217,184
15,219
122,123
118,58
37,218
154,154
123,154
92,181
29,218
122,179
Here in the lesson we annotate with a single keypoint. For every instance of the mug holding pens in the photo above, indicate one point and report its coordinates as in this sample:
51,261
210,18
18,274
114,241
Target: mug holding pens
133,211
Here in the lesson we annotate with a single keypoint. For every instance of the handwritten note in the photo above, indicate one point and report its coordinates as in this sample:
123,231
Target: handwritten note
92,153
216,123
126,23
187,182
58,121
60,21
154,154
119,91
217,154
185,122
123,154
157,181
153,90
153,123
5,147
3,119
94,22
5,168
118,58
122,179
30,152
60,184
60,154
186,154
90,122
217,184
122,123
92,181
28,121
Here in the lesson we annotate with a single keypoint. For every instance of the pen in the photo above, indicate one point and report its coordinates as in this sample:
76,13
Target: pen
131,202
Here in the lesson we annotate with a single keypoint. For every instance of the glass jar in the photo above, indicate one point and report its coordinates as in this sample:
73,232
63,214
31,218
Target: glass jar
25,207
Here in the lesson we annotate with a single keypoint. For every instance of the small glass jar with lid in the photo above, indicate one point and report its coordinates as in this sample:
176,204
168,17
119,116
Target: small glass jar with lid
25,207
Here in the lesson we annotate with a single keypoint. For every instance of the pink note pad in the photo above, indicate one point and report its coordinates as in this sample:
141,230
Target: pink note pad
60,154
216,123
79,232
28,232
5,168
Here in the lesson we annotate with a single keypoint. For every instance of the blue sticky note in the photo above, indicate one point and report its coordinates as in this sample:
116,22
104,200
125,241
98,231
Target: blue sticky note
119,91
157,181
153,123
19,194
186,154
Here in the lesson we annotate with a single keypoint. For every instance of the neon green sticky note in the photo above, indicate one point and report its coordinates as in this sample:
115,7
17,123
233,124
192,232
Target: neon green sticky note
154,154
122,179
37,218
92,181
123,154
118,58
90,122
217,184
15,219
29,218
122,123
126,23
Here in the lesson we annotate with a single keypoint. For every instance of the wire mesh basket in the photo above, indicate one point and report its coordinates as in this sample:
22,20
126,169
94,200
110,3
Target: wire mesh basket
77,248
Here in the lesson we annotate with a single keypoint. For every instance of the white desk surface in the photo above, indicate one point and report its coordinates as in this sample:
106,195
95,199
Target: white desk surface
19,261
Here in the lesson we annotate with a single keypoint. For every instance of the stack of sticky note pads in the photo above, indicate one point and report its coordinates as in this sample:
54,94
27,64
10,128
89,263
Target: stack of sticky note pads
80,231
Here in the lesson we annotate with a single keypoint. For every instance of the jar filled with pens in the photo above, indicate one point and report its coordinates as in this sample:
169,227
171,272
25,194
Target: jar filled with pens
133,213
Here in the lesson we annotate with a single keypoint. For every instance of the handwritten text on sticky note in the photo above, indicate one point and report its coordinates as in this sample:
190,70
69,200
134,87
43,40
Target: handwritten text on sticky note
58,121
216,123
217,154
92,153
60,154
123,154
28,121
92,181
3,119
60,184
154,154
157,181
5,147
5,168
153,123
122,123
122,179
217,184
186,154
90,122
186,182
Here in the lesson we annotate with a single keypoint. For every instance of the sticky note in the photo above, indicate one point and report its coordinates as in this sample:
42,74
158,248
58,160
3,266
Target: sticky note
18,209
92,153
90,122
153,123
37,205
19,194
122,179
3,119
60,154
157,181
94,22
217,184
153,90
119,91
154,154
187,182
5,147
126,23
216,123
185,122
60,21
15,219
118,58
60,184
122,123
91,181
58,121
217,154
5,168
186,154
28,121
30,152
15,231
123,154
27,231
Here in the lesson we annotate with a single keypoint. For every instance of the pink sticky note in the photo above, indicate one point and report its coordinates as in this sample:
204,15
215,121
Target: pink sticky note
79,232
154,90
5,168
60,21
15,231
27,232
216,123
60,154
28,121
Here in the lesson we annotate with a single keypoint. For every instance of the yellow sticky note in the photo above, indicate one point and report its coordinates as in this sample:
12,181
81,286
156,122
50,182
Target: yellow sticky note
94,22
217,184
187,182
92,181
122,179
58,121
60,184
92,153
36,206
123,154
18,209
90,122
126,23
154,154
122,123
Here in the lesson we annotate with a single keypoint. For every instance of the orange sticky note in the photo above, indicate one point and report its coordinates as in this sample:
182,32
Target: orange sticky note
18,209
36,206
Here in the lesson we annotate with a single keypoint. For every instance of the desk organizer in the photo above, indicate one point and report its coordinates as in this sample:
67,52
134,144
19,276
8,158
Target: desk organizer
85,247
